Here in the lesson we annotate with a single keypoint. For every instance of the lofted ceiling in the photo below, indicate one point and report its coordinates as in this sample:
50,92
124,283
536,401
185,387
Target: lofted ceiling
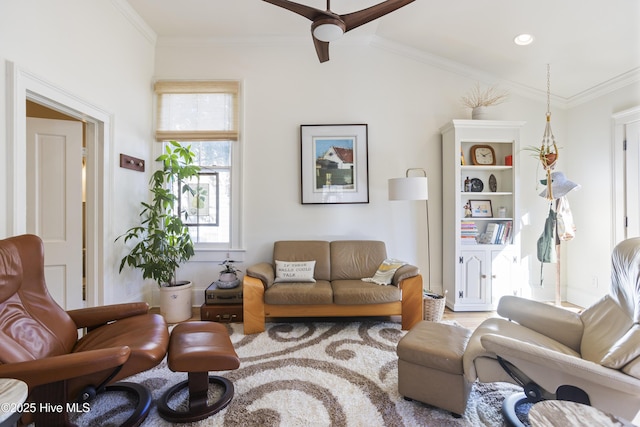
591,45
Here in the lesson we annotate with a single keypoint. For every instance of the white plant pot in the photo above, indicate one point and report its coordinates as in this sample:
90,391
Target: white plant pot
479,113
175,302
228,277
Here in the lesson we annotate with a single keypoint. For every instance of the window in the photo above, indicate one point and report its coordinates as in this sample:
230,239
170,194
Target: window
204,115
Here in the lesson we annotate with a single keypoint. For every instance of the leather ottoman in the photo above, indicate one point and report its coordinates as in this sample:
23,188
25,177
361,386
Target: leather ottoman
197,348
430,366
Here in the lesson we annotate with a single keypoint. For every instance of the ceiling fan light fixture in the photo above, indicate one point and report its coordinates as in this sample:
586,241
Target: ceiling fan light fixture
328,30
523,39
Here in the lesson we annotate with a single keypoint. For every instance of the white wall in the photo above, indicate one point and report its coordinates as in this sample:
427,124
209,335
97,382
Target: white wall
590,131
404,101
92,51
88,51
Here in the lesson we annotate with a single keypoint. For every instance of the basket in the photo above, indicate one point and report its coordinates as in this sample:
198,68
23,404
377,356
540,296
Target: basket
433,306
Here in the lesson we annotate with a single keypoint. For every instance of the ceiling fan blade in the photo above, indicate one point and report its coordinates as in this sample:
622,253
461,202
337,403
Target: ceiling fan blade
355,19
307,11
322,49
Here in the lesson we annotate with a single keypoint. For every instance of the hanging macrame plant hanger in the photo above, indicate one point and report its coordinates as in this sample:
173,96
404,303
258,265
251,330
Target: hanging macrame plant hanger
548,149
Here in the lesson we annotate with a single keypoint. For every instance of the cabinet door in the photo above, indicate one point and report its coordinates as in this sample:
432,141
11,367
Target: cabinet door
474,282
503,274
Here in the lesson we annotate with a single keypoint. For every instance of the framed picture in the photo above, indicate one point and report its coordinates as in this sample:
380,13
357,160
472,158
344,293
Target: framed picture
334,164
481,208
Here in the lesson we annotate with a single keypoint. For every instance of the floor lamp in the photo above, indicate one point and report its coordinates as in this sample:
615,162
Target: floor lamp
414,188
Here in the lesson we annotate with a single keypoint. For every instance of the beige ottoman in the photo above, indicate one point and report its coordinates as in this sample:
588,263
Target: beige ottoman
430,366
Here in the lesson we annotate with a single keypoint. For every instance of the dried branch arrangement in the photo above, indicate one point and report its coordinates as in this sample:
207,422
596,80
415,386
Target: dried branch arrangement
477,97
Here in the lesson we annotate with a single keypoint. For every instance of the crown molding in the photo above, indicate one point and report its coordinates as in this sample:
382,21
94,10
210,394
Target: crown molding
134,18
305,40
397,48
605,87
587,95
466,71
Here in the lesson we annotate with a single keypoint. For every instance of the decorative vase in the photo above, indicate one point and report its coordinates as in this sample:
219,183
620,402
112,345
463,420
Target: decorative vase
227,281
479,113
228,277
175,302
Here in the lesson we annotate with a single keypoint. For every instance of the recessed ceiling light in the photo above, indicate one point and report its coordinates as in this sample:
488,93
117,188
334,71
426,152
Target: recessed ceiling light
523,39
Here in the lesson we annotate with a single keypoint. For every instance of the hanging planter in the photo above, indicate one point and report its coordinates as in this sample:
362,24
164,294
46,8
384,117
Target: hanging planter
548,149
547,159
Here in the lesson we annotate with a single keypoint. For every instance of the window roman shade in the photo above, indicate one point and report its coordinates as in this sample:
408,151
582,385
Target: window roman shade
197,110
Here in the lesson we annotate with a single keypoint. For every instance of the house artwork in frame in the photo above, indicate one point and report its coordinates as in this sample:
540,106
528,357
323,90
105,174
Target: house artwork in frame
334,164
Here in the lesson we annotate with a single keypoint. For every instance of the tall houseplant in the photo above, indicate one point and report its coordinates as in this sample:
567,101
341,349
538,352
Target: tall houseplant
163,240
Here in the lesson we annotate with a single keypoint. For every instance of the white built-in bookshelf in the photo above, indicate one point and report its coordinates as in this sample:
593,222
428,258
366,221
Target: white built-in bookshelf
481,241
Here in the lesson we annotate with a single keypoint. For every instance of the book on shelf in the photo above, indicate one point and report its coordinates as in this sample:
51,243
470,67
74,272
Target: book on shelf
497,233
468,232
507,233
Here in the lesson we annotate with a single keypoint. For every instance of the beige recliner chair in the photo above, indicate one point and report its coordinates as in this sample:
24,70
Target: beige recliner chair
592,357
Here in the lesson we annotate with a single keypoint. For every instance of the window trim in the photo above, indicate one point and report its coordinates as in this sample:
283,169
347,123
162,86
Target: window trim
236,237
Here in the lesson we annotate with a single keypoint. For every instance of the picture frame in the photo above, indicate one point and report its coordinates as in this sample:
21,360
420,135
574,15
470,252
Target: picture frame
481,209
334,164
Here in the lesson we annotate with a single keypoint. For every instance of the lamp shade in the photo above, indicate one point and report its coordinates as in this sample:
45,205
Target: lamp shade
409,188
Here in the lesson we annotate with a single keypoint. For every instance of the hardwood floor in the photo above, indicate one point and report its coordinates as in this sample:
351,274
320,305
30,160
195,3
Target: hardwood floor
471,319
468,319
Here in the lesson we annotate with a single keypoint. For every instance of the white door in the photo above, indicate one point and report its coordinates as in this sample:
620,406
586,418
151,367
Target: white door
54,203
503,277
632,179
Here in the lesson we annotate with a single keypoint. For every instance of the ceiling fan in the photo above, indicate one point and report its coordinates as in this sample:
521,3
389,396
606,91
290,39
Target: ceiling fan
328,26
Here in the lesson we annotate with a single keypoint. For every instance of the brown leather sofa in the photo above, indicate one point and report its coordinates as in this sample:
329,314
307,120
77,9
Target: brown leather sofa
39,340
338,290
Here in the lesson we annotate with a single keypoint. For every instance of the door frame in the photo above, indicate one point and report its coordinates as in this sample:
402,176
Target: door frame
23,86
620,121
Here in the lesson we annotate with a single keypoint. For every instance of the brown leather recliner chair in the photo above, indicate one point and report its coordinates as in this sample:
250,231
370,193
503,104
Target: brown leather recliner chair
39,340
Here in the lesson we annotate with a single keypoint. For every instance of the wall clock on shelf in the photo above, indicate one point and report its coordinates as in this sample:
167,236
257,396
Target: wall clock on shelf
483,155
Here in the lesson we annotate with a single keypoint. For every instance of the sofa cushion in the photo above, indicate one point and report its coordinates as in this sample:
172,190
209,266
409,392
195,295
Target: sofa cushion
347,292
305,250
384,275
355,259
294,271
604,323
435,345
299,293
633,368
624,350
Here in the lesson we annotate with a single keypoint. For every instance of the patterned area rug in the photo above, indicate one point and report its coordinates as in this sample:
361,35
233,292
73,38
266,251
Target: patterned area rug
311,374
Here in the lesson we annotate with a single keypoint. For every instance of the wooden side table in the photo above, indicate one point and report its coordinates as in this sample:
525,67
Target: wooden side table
563,413
13,394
